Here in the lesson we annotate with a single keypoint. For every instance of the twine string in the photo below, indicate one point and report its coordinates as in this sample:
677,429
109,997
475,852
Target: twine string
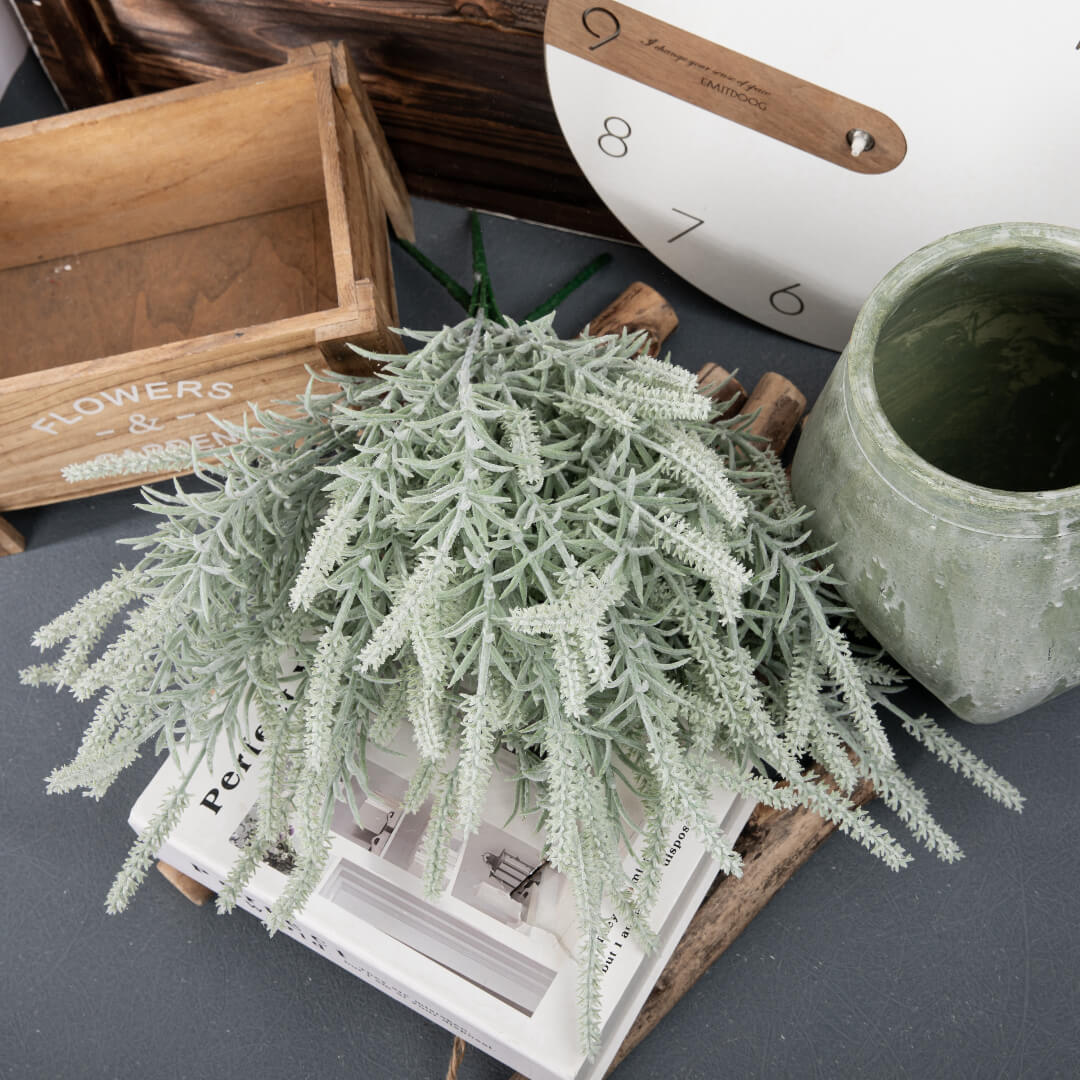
456,1056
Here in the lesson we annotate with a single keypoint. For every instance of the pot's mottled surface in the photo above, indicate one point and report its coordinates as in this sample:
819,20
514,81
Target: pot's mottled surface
943,462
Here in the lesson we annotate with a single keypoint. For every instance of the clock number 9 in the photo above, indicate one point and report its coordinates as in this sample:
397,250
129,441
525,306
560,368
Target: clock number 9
600,11
614,138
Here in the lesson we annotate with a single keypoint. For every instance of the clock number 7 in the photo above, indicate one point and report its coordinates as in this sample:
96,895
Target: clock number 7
792,304
595,33
690,228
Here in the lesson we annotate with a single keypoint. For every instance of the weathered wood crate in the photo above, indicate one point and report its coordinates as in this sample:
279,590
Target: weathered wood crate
182,254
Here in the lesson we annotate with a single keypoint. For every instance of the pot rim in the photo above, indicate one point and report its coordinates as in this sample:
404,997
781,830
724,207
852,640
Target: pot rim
862,395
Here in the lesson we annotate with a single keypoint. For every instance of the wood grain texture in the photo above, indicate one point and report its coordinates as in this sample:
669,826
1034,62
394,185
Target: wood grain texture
459,87
194,890
77,50
773,845
718,383
776,103
371,143
135,170
155,396
151,292
357,216
11,540
342,197
779,405
639,307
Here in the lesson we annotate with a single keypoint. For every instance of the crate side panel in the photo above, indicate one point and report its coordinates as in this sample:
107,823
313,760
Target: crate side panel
154,404
337,206
126,174
369,238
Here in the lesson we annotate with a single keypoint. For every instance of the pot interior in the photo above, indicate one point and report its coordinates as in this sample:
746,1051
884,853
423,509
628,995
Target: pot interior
978,369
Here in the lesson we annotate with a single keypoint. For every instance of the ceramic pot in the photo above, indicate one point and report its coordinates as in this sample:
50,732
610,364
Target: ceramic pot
943,462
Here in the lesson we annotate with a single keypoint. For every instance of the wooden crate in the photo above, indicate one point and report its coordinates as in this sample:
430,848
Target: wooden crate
182,254
459,85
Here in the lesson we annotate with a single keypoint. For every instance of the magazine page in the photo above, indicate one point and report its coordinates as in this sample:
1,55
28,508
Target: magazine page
493,957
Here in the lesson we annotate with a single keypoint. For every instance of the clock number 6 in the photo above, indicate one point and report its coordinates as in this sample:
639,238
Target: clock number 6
614,138
787,301
595,33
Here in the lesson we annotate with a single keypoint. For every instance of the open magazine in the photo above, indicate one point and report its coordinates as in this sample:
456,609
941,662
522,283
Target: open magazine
493,958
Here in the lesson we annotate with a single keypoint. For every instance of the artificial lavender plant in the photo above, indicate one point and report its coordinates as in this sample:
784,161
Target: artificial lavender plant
504,539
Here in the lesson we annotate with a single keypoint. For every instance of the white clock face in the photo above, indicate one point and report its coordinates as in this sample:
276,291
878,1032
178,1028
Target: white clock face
985,103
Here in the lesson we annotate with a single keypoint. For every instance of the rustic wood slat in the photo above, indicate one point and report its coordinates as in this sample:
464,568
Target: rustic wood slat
250,362
338,203
773,845
129,184
368,243
11,540
371,143
76,48
194,890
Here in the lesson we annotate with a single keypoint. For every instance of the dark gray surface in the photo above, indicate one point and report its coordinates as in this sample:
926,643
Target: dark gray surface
29,95
964,971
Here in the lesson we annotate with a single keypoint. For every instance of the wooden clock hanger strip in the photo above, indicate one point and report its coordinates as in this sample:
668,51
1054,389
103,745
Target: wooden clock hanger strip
728,83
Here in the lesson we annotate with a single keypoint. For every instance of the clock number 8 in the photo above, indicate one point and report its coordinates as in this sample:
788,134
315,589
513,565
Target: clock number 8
614,138
611,36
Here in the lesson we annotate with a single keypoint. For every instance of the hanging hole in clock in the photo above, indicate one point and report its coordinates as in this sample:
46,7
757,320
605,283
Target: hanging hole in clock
860,141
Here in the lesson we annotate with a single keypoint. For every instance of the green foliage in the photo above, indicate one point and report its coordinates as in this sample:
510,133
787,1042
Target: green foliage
505,540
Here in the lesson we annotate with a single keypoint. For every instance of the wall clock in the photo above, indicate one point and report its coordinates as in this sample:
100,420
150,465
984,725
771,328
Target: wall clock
783,157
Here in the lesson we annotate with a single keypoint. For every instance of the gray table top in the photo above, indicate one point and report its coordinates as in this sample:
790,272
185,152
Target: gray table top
969,970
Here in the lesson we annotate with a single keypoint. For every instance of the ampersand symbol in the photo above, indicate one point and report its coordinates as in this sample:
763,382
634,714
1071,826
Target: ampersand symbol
139,422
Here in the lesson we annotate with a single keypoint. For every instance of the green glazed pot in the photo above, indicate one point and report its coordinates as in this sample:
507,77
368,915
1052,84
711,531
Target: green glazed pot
942,461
